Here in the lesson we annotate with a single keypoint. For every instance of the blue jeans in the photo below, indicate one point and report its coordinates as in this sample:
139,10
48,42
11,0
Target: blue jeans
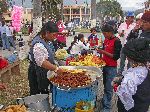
5,41
11,40
108,75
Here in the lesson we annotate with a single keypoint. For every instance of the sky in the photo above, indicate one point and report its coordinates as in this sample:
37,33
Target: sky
131,4
126,4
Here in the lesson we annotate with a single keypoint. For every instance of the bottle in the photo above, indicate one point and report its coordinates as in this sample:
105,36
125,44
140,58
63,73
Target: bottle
100,42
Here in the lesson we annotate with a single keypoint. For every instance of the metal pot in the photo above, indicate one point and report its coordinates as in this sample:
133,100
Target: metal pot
39,102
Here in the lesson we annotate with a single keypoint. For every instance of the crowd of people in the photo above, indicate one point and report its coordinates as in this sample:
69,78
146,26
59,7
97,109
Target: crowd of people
129,44
131,41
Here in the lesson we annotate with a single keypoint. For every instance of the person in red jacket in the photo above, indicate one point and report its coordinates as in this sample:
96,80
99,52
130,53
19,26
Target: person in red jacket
111,53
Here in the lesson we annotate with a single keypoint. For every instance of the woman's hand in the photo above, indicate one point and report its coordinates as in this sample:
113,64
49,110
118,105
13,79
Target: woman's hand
59,71
117,80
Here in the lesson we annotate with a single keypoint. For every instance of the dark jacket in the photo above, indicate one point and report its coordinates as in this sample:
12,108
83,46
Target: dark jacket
138,34
145,34
134,34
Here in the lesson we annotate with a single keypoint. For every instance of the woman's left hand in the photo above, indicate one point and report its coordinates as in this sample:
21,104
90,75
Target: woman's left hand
59,71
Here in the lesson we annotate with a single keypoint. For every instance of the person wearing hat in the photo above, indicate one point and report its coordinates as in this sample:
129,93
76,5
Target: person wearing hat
124,30
136,32
41,59
133,89
145,25
111,53
113,23
142,28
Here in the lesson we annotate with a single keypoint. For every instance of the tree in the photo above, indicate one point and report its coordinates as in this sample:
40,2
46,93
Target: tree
50,9
3,7
44,10
37,16
109,7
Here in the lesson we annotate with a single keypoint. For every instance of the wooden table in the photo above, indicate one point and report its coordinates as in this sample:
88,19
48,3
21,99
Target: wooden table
8,71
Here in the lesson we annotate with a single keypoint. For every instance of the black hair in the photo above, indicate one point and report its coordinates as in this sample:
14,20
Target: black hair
49,26
138,49
75,38
80,36
3,23
73,43
93,29
107,28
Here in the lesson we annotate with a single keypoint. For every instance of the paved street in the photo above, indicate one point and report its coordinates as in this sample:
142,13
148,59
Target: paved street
21,51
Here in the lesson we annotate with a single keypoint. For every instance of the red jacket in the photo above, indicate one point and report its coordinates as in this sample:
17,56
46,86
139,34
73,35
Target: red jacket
93,40
109,47
3,63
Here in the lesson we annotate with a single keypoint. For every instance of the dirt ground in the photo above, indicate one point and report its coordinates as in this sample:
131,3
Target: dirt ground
18,86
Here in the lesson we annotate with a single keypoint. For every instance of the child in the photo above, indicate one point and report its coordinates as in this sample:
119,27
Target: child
134,90
93,38
79,46
73,43
111,54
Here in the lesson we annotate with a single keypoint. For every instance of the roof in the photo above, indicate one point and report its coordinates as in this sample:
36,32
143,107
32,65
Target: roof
73,2
28,3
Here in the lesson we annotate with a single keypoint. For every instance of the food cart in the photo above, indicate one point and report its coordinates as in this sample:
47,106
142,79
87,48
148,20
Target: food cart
66,97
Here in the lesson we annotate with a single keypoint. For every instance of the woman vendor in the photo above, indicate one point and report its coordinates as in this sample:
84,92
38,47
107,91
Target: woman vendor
41,59
134,89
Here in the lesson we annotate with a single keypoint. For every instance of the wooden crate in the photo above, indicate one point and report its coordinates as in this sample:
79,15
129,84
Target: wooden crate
7,72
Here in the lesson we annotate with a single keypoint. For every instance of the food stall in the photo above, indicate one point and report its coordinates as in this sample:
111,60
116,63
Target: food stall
78,84
75,84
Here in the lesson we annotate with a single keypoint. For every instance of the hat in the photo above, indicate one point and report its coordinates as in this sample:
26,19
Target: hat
139,16
130,14
107,28
50,26
93,29
146,16
138,49
111,22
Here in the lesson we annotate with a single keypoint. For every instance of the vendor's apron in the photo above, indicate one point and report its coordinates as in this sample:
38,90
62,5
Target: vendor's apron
38,81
